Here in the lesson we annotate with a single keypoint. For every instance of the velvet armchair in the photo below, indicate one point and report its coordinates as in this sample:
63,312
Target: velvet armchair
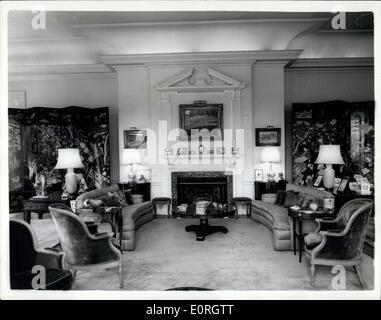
25,254
340,241
84,251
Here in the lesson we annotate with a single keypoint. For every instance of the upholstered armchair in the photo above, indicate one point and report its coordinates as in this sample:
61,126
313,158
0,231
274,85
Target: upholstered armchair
340,241
25,254
84,251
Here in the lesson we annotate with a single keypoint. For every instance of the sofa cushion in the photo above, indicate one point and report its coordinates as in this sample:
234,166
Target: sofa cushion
115,199
95,194
280,197
317,194
293,199
276,214
128,196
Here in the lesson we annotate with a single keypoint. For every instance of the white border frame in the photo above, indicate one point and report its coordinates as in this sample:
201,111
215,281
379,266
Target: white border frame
287,6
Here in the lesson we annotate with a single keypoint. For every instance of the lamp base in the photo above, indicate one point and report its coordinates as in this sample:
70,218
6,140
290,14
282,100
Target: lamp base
329,177
71,182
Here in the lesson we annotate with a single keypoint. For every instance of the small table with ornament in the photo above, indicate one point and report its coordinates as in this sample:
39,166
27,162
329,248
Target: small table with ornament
110,215
298,217
40,206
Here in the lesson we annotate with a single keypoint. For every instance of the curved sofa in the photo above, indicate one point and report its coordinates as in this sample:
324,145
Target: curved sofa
275,216
134,215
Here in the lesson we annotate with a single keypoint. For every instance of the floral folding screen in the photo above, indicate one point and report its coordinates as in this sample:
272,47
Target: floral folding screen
351,125
41,131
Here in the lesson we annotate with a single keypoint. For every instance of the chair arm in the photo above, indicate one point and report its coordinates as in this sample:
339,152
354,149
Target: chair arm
100,235
50,258
326,220
332,233
324,224
53,250
335,231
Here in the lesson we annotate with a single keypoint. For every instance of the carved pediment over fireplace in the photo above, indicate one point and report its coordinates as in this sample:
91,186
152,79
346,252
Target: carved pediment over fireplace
200,79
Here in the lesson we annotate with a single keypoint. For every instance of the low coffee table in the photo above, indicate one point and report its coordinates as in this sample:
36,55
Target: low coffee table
204,228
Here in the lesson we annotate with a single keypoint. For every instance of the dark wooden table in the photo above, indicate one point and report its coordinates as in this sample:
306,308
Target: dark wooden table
204,228
112,216
137,188
298,216
40,206
262,187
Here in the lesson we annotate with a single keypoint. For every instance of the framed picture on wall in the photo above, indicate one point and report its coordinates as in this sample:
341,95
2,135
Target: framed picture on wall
267,137
201,119
258,174
135,139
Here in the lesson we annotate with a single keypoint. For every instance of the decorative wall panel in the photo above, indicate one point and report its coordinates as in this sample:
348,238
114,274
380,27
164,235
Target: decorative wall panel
351,125
42,131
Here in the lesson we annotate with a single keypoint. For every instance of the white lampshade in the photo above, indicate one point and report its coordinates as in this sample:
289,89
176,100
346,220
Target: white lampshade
69,159
329,154
131,156
270,154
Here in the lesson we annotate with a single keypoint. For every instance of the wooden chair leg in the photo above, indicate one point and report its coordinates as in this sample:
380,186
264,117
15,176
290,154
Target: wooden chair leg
121,274
359,275
312,275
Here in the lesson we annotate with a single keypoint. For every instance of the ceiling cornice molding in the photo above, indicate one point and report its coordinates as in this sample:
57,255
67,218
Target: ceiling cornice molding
15,40
200,57
176,23
332,63
52,70
62,76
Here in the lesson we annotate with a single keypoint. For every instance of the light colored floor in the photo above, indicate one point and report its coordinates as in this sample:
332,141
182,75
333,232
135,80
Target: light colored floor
243,259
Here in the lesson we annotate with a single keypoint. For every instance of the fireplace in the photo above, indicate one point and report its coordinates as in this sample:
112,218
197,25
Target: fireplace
191,186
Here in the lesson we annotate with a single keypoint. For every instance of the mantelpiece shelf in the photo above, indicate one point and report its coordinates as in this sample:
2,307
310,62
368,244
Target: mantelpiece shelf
202,156
203,159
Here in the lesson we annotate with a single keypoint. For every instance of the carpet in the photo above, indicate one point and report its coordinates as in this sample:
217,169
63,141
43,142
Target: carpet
167,257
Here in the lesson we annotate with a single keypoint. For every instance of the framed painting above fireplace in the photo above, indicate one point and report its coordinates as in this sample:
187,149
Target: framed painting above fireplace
201,120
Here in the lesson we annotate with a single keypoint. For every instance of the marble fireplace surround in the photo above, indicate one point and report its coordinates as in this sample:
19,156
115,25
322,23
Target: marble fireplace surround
204,175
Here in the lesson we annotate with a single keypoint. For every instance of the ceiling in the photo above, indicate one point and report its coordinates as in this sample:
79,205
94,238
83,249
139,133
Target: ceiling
60,23
81,37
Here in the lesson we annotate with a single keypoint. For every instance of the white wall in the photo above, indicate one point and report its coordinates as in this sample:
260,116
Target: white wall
318,85
261,104
82,91
268,108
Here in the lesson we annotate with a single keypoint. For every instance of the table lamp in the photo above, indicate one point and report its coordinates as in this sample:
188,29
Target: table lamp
69,159
329,155
270,155
131,157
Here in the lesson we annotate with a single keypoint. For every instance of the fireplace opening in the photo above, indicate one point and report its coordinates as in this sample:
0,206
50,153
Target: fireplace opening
190,187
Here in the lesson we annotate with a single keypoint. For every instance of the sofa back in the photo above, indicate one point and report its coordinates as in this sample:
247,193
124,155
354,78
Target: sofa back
317,194
95,194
